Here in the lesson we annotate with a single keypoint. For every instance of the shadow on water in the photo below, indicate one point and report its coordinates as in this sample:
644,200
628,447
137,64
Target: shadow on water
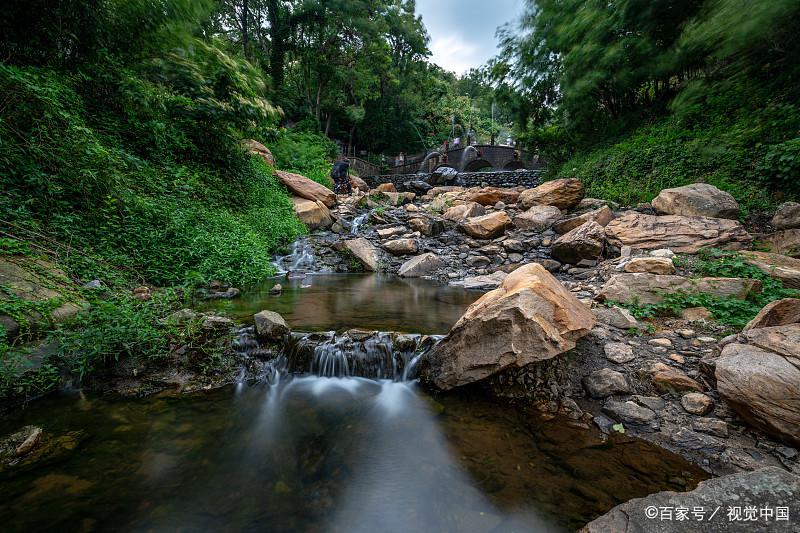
323,454
324,302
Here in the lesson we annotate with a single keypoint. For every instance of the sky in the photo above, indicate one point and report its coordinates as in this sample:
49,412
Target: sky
463,31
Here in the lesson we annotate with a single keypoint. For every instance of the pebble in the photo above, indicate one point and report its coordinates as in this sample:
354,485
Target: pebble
619,353
697,403
660,343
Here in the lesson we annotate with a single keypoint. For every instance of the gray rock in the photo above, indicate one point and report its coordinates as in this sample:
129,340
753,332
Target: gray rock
270,325
697,403
421,265
631,413
617,317
712,426
618,352
770,487
605,382
691,440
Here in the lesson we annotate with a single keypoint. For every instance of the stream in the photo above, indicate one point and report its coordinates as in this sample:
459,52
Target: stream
327,454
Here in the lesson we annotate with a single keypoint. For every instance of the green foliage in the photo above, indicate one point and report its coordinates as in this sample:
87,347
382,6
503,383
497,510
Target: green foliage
306,153
728,311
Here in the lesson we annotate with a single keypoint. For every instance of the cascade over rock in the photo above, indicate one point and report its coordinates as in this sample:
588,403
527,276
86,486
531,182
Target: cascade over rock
531,317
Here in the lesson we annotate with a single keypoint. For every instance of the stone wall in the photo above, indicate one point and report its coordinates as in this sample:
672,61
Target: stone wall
515,178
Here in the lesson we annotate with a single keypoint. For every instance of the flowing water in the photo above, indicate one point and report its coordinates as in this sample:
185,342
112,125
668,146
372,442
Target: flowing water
333,438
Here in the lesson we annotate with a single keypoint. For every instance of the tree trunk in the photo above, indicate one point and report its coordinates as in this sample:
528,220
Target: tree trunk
245,35
278,33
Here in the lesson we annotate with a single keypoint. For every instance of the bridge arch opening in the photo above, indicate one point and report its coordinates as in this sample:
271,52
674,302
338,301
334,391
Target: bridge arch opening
514,165
476,165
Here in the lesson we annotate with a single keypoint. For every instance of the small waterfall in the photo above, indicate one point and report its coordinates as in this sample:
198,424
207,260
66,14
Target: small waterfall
465,155
372,355
300,258
260,363
358,222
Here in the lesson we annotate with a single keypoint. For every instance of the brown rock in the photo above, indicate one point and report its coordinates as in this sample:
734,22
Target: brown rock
760,379
430,227
359,184
492,195
776,266
256,148
696,314
787,216
365,252
697,403
584,242
785,242
386,187
678,233
530,317
563,193
668,379
463,212
401,246
312,214
305,188
651,288
537,218
650,265
777,313
487,226
696,200
602,216
270,325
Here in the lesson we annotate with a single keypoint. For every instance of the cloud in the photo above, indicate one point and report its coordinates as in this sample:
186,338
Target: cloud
463,31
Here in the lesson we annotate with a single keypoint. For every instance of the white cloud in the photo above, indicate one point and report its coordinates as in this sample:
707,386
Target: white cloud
453,53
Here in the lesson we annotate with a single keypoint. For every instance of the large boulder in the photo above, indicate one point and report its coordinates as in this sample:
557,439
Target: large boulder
786,242
584,242
487,226
777,313
564,194
305,188
256,148
776,266
696,200
602,216
537,218
678,233
787,216
365,252
492,195
642,288
463,212
442,175
312,214
759,377
270,325
531,317
770,487
421,265
428,226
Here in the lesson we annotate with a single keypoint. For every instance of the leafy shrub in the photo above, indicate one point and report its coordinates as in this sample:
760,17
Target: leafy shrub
305,153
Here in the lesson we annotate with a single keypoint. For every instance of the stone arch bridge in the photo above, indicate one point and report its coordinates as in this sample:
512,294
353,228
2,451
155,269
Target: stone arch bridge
478,158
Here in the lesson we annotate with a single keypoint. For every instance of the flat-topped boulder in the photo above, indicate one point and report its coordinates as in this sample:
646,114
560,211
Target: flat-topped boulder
650,265
306,188
563,194
401,246
313,214
644,288
697,199
776,266
531,317
537,218
421,265
492,195
365,252
486,226
602,216
584,242
678,233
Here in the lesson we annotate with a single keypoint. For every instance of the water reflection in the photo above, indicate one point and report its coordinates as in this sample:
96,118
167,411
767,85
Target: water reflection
372,301
324,454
